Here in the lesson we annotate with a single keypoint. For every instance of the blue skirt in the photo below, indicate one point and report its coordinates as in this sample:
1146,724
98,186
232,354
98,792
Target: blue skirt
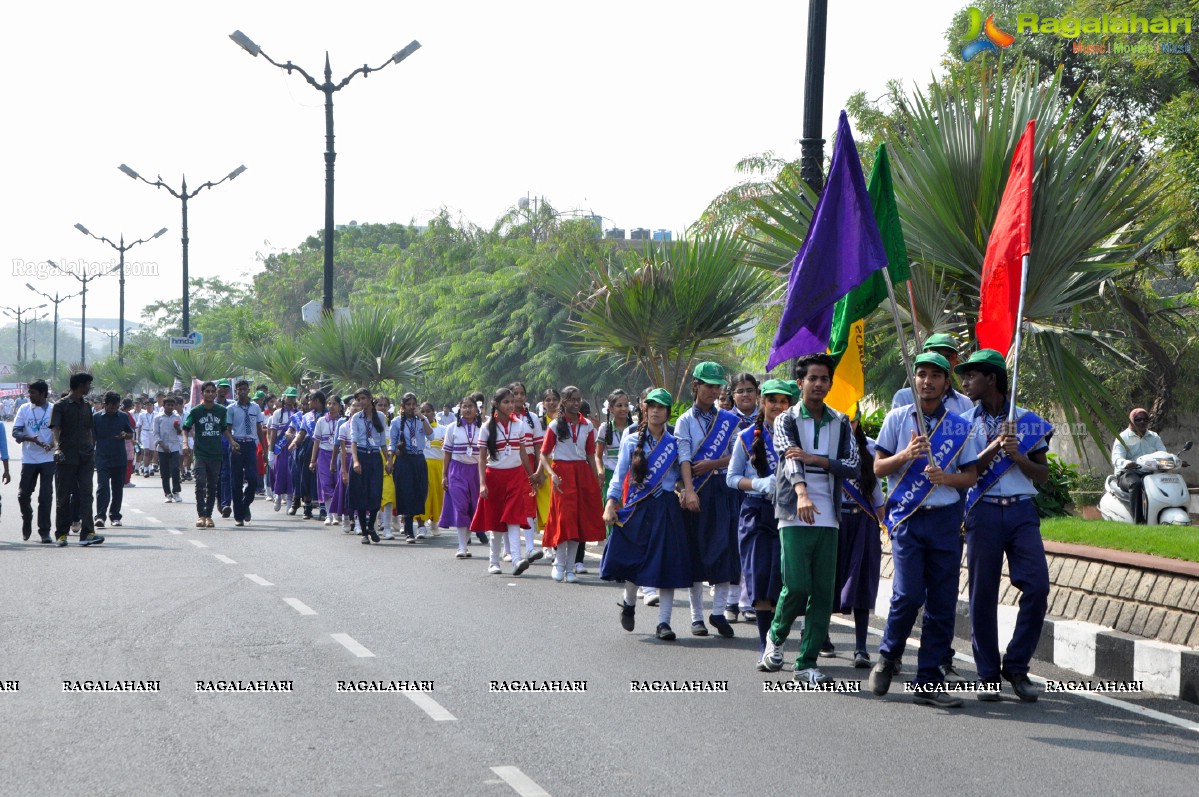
859,557
650,550
365,490
712,534
761,556
411,477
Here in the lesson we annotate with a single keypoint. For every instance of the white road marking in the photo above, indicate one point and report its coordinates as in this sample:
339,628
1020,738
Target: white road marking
152,519
135,509
521,783
430,706
220,557
259,580
197,543
299,606
352,645
174,531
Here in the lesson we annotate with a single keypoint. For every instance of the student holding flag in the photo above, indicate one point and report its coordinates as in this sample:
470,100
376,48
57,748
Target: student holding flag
928,455
955,402
1002,520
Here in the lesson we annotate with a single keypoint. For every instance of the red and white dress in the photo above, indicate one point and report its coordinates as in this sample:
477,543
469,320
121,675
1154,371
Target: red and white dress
576,512
508,487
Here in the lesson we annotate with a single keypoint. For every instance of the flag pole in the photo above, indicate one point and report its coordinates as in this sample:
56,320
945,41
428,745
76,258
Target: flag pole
912,307
903,351
1011,416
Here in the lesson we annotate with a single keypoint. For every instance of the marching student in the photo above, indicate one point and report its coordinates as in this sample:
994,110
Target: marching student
927,454
537,432
745,391
146,417
752,471
31,428
279,458
551,400
368,439
819,453
303,480
1002,520
705,435
568,456
168,431
112,429
434,497
460,473
75,454
209,420
608,437
245,427
955,402
859,549
322,463
505,479
649,544
410,431
387,501
342,464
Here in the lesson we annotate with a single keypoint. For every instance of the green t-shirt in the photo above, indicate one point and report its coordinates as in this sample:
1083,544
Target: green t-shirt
209,423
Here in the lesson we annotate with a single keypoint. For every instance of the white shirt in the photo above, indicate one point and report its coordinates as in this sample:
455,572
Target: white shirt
164,431
434,442
33,421
573,447
462,443
511,439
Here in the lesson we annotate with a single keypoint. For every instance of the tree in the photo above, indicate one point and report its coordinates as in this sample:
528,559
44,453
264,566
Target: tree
372,346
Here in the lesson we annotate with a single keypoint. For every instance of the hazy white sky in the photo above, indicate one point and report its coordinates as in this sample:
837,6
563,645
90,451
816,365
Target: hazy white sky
635,110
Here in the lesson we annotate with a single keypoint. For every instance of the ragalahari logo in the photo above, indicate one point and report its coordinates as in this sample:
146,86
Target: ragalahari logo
984,37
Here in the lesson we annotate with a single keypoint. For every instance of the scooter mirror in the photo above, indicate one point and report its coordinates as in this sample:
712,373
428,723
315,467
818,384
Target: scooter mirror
1187,447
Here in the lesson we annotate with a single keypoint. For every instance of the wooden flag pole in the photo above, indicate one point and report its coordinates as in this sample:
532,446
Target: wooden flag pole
915,322
903,350
1011,416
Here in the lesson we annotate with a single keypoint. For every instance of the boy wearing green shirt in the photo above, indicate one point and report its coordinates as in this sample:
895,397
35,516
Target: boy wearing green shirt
211,424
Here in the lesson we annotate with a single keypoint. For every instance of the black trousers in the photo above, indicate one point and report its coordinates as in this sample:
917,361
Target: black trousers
168,469
208,483
41,474
111,485
1131,481
74,481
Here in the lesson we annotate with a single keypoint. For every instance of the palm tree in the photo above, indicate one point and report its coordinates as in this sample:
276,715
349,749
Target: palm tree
110,374
663,308
188,364
371,346
281,361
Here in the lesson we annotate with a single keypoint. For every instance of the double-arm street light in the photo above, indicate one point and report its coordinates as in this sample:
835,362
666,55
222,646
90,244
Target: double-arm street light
327,88
122,249
182,195
84,279
29,347
17,312
112,336
57,299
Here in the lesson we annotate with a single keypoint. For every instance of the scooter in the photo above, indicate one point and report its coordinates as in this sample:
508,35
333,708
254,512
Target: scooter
1165,496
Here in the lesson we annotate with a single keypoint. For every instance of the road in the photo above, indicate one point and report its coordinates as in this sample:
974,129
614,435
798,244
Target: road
287,600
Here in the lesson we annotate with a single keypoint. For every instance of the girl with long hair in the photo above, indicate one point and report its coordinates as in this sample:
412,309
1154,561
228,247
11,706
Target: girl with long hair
279,435
744,389
568,456
460,476
368,438
505,476
341,465
321,463
859,547
537,437
387,501
406,463
434,497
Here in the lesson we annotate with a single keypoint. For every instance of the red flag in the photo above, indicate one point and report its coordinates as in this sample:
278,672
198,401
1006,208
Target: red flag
1008,244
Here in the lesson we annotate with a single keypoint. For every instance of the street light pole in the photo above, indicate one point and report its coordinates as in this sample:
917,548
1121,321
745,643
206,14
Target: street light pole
17,312
84,279
811,164
29,354
112,336
57,301
122,249
182,195
327,88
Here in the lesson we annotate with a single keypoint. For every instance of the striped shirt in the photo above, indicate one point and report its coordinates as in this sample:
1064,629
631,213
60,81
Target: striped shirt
579,446
462,442
511,439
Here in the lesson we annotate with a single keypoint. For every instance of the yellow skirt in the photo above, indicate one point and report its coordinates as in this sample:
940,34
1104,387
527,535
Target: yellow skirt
436,496
544,494
389,486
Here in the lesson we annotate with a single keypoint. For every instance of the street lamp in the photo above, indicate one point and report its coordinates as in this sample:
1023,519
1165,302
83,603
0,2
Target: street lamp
112,336
122,249
84,279
29,355
17,312
327,88
57,299
182,195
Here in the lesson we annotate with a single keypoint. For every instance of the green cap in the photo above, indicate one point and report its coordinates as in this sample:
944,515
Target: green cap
932,358
984,360
710,373
222,383
660,396
291,391
259,395
940,341
781,387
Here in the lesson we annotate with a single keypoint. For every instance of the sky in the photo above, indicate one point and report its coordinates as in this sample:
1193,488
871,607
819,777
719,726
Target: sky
635,111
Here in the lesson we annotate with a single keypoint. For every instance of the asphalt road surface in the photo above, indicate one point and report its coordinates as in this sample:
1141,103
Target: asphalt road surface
286,603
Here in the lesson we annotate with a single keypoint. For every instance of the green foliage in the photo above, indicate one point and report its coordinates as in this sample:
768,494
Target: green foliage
872,423
1053,496
374,345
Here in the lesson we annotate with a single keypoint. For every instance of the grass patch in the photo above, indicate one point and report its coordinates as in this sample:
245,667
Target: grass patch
1172,542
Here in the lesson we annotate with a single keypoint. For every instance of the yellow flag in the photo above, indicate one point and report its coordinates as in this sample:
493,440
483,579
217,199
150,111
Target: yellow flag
849,383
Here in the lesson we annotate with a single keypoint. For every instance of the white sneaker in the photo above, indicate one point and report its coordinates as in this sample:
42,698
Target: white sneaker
506,557
772,658
812,677
76,526
328,520
170,499
580,568
386,535
571,578
178,498
278,502
556,572
494,570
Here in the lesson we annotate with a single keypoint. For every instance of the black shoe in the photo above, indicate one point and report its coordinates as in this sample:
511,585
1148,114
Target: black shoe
46,539
99,522
699,629
481,537
91,539
931,697
861,660
239,523
1022,685
721,625
374,536
291,510
626,616
951,674
521,567
881,675
988,691
366,539
827,651
226,511
537,554
27,530
664,633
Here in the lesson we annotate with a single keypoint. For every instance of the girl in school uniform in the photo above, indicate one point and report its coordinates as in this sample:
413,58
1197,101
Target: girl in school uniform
322,462
568,456
434,497
406,462
279,432
342,463
537,432
752,472
551,400
460,473
859,547
607,438
388,500
745,393
368,439
505,479
648,546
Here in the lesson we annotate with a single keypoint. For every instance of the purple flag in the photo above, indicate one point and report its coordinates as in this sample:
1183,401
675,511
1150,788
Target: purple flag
841,250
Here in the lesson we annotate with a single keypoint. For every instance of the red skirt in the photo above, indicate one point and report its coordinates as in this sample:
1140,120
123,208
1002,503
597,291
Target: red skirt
531,498
507,491
576,512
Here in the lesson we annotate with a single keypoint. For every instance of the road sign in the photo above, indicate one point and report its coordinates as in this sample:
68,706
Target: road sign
192,341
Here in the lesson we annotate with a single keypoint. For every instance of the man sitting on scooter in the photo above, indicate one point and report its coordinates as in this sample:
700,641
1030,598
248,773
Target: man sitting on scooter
1135,441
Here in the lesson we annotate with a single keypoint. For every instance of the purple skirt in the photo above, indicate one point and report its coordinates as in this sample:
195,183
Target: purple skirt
281,479
461,497
326,481
859,556
337,503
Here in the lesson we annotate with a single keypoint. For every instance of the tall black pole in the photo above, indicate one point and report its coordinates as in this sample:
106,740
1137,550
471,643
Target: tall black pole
83,327
54,370
811,164
187,323
330,159
121,322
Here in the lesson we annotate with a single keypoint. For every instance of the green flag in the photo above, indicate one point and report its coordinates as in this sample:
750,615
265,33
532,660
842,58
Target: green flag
861,301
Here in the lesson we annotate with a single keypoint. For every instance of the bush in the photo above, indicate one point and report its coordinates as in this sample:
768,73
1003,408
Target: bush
1053,497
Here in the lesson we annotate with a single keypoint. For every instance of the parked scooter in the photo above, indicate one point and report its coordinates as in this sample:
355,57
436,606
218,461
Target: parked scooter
1165,495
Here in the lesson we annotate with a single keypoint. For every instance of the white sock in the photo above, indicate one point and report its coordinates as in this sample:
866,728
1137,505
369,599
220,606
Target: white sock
496,541
630,594
720,598
514,541
572,548
560,556
696,596
666,603
507,545
462,536
530,532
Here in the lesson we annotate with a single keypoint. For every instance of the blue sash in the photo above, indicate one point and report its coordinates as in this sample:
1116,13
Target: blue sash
281,432
661,458
714,445
747,439
1030,431
854,491
912,488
